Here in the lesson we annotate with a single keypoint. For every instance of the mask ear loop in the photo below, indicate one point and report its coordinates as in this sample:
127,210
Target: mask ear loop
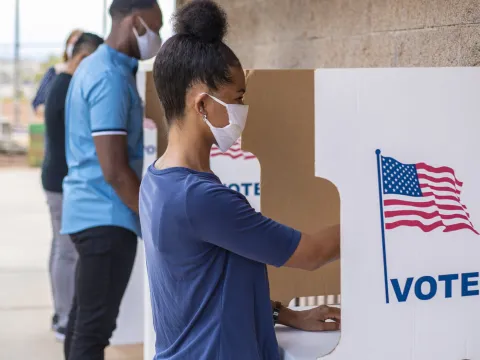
215,99
144,25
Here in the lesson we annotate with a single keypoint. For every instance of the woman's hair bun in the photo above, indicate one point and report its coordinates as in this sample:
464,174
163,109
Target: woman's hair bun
203,19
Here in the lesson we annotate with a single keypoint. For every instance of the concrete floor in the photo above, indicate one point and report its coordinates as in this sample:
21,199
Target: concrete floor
25,302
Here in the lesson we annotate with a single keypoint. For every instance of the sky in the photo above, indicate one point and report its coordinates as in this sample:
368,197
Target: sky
45,24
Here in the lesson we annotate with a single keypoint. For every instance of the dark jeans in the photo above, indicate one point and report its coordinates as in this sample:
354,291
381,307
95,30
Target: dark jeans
106,258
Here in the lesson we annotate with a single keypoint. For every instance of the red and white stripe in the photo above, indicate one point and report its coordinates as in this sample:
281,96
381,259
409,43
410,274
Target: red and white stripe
439,207
235,152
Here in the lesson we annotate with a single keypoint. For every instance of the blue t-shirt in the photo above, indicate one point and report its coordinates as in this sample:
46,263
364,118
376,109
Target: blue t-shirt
102,100
206,251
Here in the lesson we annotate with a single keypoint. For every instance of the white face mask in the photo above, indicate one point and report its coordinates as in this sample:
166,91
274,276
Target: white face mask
237,118
149,43
69,51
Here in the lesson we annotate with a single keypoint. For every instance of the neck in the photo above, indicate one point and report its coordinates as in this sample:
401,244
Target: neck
187,149
71,67
118,41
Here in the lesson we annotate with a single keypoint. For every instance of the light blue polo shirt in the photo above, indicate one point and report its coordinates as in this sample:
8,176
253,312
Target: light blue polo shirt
102,100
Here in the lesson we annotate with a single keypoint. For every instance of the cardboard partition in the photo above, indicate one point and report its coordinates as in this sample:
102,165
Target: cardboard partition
280,132
280,135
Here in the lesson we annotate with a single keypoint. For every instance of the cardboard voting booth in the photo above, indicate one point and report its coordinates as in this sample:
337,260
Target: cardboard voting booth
280,133
397,149
278,142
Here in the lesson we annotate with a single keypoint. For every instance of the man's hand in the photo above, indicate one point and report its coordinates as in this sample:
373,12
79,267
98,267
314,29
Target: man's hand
312,320
112,152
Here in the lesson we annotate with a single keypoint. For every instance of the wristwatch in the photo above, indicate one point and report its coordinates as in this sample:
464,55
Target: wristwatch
277,307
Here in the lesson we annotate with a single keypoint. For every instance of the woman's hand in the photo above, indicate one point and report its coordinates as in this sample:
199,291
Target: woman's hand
313,319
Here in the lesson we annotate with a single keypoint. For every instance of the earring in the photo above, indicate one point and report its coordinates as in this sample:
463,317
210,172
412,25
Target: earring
205,117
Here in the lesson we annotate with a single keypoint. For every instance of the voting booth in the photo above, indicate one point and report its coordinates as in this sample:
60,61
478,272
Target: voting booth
401,147
287,189
388,153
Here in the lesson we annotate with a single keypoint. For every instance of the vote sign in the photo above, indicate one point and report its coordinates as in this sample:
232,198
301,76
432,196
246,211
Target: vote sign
402,147
238,170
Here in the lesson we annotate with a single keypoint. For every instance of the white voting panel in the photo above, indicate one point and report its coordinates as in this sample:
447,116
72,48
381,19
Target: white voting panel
150,155
131,327
402,147
238,170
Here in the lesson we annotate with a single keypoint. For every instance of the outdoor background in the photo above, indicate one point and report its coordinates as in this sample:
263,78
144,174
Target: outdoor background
43,26
264,34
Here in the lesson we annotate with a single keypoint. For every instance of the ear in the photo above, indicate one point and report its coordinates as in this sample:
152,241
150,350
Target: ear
201,101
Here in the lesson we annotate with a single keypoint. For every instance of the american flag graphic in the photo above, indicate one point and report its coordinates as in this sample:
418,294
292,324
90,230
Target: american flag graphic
149,124
235,152
423,196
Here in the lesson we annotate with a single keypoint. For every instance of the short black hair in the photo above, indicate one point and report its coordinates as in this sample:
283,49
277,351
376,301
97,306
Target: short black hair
195,54
87,42
122,8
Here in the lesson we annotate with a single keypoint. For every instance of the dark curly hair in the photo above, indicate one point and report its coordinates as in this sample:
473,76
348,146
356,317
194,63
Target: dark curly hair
195,54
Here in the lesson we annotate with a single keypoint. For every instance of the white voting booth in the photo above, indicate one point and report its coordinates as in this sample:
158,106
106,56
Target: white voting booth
401,145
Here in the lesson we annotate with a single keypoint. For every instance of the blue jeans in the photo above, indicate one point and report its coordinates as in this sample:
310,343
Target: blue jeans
62,263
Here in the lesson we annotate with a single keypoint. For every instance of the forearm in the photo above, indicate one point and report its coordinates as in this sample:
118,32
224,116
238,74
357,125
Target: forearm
329,245
288,317
316,250
127,186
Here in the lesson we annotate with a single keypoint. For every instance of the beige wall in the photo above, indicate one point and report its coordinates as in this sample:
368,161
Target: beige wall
354,33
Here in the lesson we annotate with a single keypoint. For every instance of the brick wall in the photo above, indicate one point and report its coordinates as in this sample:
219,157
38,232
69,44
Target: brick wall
354,33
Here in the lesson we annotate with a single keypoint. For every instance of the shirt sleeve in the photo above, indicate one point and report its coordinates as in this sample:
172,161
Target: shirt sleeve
41,95
109,103
225,218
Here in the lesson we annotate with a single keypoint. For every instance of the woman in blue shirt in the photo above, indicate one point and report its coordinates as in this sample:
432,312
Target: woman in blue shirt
206,247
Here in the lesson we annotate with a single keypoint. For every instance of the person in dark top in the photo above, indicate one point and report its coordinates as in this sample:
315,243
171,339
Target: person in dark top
38,102
206,247
54,168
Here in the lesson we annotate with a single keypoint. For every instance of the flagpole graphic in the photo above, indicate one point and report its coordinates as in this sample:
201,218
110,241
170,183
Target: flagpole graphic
419,196
380,194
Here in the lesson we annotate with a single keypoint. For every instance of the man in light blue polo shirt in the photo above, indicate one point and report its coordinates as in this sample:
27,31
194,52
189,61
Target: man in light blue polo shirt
104,152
